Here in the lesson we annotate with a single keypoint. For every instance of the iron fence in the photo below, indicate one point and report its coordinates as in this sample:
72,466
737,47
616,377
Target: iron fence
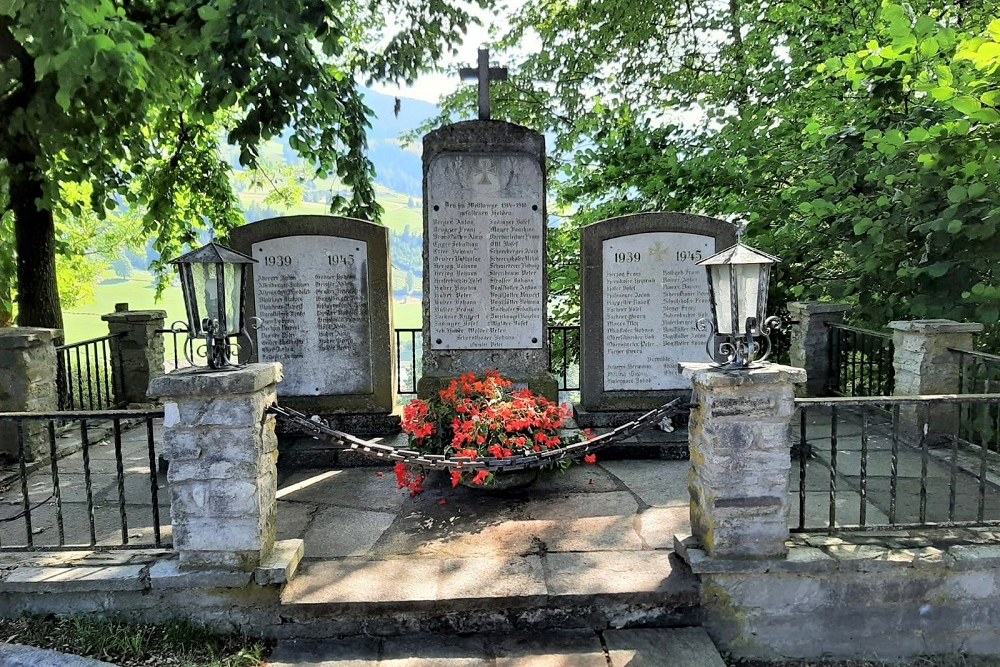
89,374
563,353
94,485
881,463
860,362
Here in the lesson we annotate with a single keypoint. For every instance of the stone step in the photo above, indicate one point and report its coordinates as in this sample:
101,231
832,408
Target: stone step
399,596
674,647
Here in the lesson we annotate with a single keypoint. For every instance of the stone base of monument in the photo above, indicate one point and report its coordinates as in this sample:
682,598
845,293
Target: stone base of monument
544,384
650,444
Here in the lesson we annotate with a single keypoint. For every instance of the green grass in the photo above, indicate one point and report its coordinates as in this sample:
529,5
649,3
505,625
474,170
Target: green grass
84,322
179,643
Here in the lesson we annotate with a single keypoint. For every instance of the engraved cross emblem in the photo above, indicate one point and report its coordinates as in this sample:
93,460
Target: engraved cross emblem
658,252
484,174
484,73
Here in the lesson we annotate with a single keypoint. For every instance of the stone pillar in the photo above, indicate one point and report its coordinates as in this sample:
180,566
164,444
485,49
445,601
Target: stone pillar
923,364
223,452
139,349
27,384
810,344
739,439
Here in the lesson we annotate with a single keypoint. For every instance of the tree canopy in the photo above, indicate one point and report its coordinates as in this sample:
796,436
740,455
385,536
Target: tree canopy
131,98
859,140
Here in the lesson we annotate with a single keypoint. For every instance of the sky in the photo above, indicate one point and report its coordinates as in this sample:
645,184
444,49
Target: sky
433,86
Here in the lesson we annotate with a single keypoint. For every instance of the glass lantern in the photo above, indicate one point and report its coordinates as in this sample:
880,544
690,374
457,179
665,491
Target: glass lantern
737,285
213,279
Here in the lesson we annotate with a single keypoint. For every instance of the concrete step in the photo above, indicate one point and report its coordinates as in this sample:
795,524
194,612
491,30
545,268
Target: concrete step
674,647
401,596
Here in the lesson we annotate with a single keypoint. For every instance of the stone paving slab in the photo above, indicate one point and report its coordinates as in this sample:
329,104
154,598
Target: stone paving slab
669,647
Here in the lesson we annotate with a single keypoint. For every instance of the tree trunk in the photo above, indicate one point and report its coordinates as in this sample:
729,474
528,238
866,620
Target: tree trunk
35,238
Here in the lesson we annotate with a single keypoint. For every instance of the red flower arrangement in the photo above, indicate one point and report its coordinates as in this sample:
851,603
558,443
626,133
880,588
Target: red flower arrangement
477,417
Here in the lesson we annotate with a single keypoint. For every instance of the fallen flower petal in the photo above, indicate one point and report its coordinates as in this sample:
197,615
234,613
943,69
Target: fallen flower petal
590,459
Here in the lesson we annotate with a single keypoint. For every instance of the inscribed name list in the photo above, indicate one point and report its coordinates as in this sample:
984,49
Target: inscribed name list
311,293
485,254
653,297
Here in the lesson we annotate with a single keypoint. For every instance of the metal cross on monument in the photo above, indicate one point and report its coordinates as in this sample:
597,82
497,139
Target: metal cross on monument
485,74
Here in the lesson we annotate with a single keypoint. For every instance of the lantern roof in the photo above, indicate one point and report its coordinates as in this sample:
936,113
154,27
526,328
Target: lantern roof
214,253
740,254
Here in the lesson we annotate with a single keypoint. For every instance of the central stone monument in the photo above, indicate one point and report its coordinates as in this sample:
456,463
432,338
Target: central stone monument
484,250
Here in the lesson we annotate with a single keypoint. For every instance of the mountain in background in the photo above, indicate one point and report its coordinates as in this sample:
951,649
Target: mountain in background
396,168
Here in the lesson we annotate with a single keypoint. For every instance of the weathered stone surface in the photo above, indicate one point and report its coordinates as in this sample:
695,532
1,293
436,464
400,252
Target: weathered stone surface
556,648
358,377
501,210
643,575
658,525
168,574
442,652
27,384
139,349
17,655
348,652
810,340
625,365
76,579
663,485
338,582
516,579
238,380
662,647
337,531
280,565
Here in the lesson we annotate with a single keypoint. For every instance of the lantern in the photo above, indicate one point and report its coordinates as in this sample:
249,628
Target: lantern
737,285
213,279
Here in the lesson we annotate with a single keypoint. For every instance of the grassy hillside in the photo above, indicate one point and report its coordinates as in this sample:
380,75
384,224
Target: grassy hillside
84,321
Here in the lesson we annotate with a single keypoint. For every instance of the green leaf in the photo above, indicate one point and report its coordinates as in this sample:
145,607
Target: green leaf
957,194
966,104
955,226
943,93
862,226
208,13
977,190
938,269
919,134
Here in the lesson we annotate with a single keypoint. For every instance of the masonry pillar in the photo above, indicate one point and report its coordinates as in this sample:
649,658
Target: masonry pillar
222,450
739,440
810,341
139,349
923,364
27,384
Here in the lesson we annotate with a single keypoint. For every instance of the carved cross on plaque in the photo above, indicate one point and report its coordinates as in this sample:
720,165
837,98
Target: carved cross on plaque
485,74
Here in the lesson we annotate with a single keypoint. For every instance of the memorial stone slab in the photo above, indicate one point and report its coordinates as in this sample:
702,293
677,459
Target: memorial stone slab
484,255
321,287
642,297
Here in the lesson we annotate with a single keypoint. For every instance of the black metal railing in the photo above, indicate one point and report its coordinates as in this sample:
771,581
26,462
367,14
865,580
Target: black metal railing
93,485
563,352
564,356
874,463
978,373
89,374
409,359
860,362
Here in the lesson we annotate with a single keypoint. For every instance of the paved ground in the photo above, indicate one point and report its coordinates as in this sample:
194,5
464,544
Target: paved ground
683,647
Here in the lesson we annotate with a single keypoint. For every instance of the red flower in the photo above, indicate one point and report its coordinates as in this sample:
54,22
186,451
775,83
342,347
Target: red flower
480,478
456,477
443,501
590,458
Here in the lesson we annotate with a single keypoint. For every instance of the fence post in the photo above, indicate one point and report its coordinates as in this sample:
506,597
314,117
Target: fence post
810,341
739,440
27,384
222,450
923,364
137,351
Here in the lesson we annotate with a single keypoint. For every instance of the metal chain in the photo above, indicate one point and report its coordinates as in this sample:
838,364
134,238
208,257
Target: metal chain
318,428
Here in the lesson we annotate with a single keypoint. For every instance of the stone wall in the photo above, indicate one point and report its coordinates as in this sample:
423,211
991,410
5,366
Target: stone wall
27,384
931,592
138,348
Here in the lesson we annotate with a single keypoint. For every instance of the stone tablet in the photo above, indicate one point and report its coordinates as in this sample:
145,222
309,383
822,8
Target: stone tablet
311,294
321,287
642,297
484,255
485,252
